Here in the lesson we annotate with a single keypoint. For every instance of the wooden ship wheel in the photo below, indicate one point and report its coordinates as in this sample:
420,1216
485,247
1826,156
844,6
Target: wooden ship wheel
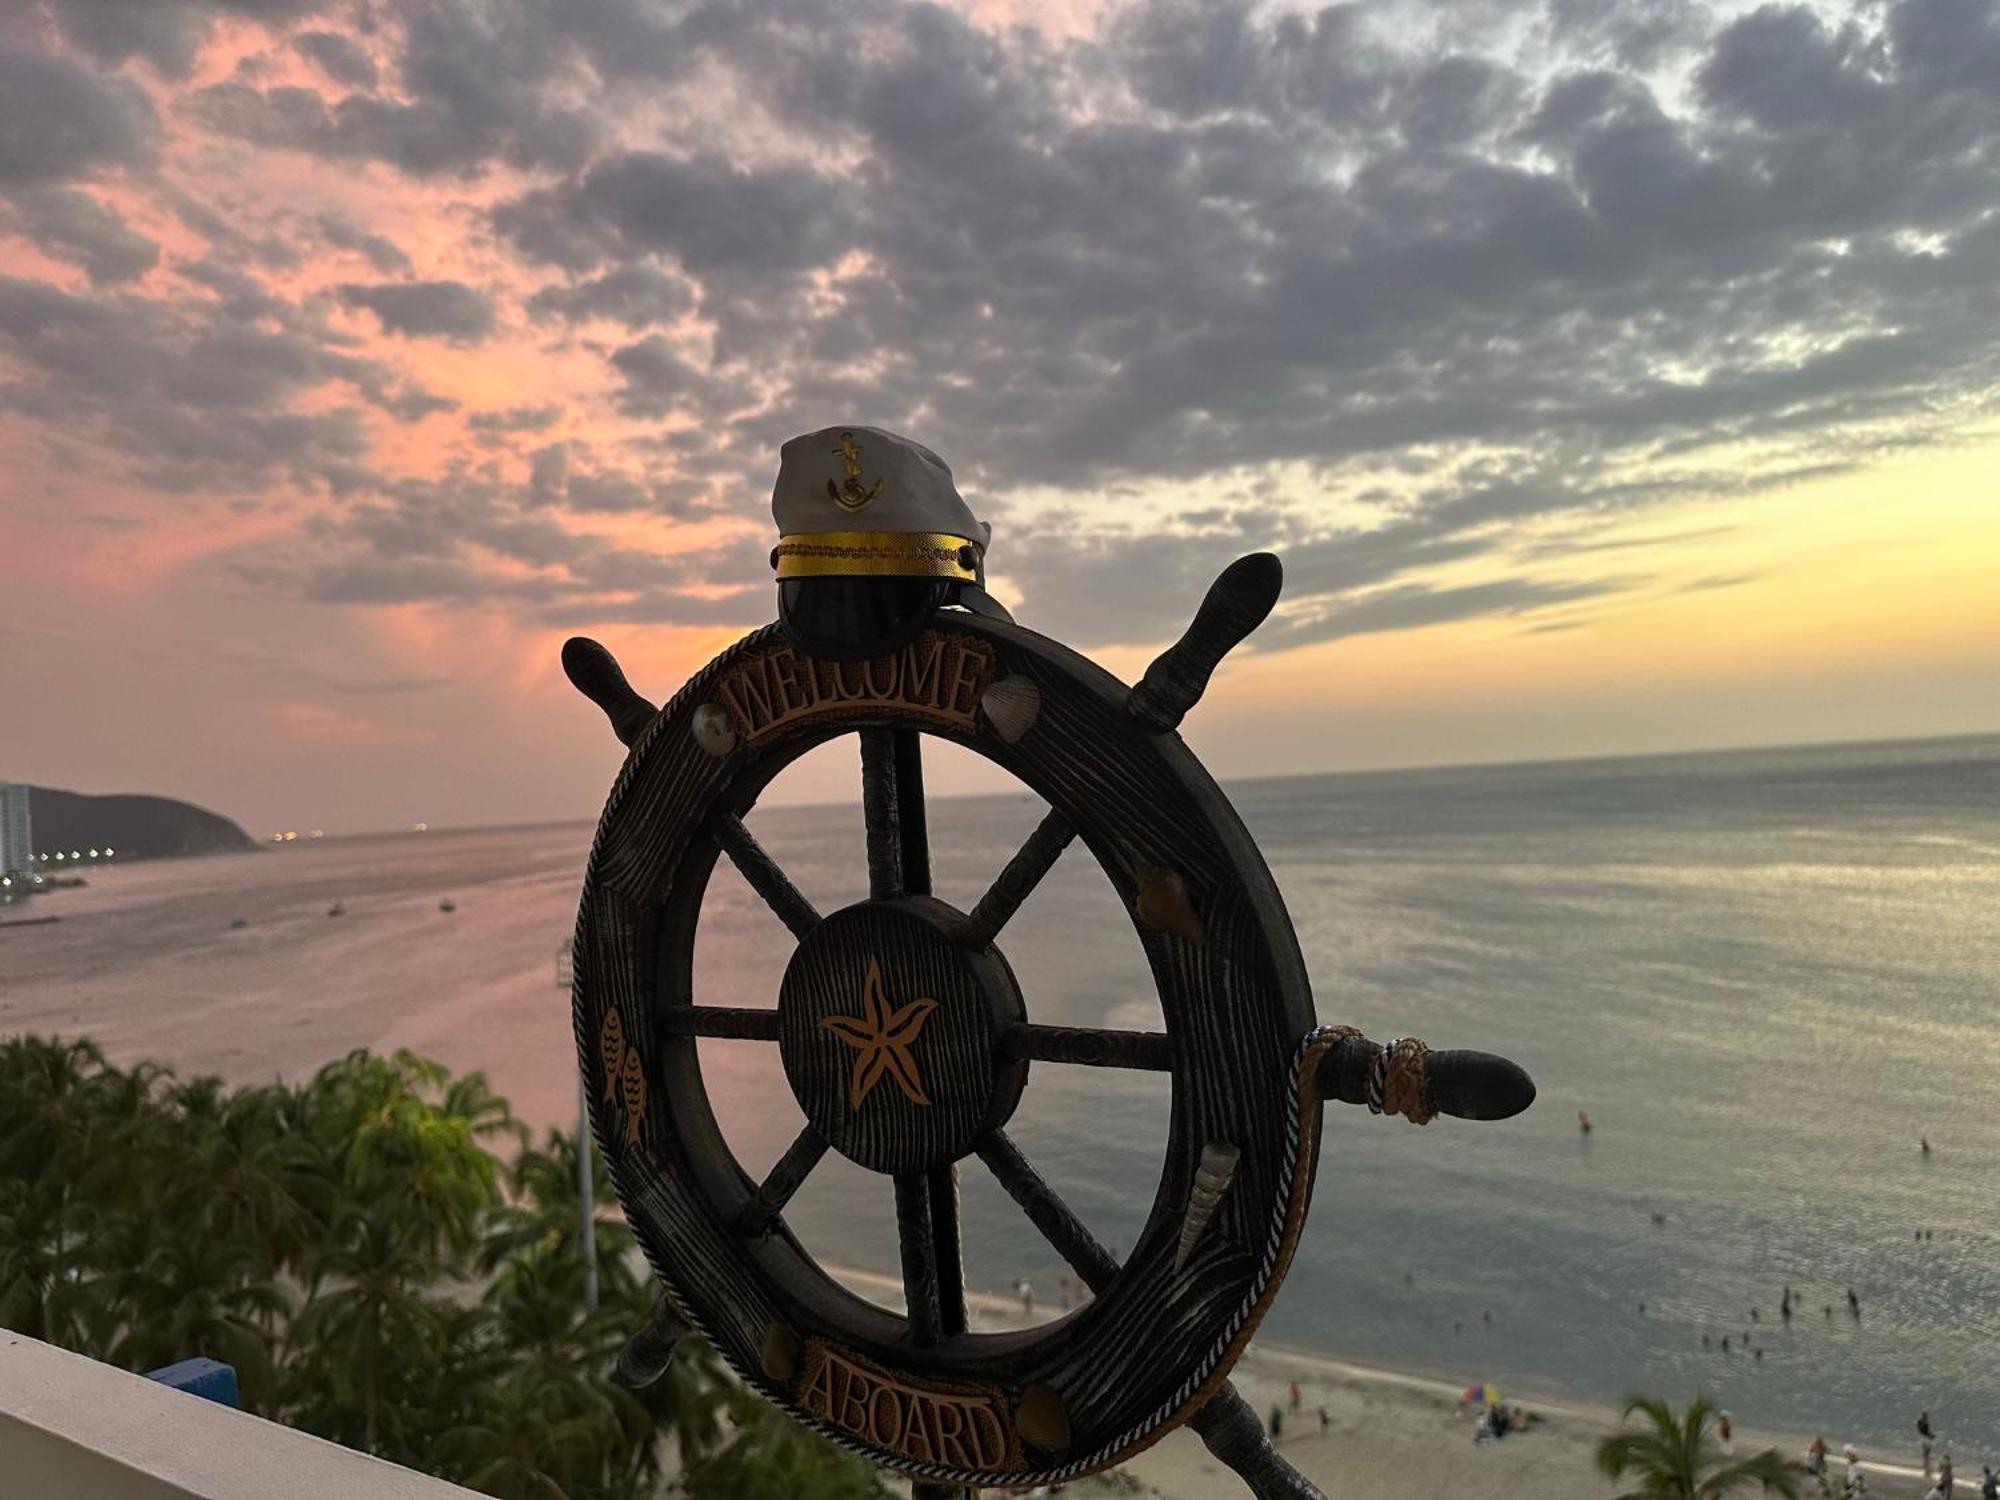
909,1046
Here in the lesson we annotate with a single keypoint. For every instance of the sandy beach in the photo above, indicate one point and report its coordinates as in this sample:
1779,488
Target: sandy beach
1393,1436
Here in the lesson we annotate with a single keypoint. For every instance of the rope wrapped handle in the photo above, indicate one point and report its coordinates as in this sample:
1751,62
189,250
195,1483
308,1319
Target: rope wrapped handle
1404,1077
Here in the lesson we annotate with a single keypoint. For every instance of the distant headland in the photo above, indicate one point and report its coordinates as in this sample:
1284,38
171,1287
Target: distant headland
138,827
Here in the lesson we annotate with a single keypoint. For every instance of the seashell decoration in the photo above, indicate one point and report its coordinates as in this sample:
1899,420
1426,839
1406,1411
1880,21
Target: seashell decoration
633,1083
1212,1176
611,1050
1042,1419
712,729
1163,903
1011,706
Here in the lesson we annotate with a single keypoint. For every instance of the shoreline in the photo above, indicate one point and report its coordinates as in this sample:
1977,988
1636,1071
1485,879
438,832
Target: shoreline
1401,1436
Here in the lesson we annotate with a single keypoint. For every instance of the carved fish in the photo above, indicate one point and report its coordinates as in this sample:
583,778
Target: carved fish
633,1082
611,1050
1212,1176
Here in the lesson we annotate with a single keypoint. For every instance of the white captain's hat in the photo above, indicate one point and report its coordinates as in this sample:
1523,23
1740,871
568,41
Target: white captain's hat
871,525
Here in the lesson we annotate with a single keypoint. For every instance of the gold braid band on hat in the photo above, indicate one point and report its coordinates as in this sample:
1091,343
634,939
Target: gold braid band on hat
879,554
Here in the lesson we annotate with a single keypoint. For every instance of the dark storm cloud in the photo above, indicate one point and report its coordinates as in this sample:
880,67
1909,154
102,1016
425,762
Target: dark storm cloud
425,309
59,119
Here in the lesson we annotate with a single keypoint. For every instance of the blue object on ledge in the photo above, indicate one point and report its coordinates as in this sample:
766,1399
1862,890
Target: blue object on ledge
210,1379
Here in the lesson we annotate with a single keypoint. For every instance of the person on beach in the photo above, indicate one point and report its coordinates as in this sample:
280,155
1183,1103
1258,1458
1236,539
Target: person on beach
1989,1483
1326,1422
1924,1440
1945,1481
1853,1484
1725,1434
1026,1291
1277,1421
1582,1123
1295,1395
1816,1455
1853,1303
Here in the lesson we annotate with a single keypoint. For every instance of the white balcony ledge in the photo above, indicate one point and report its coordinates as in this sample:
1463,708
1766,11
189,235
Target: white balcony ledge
74,1429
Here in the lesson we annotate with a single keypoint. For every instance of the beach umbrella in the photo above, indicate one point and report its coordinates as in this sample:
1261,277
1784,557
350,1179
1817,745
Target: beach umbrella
1485,1392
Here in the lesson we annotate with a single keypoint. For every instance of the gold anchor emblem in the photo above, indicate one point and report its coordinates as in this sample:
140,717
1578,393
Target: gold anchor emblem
850,493
881,1037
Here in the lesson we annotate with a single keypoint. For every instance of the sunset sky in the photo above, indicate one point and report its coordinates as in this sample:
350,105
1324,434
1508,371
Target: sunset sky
1613,378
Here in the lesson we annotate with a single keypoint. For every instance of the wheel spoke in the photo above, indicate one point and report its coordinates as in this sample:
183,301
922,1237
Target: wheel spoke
880,814
735,1021
1017,881
950,1261
911,813
785,1178
1231,1431
1061,1228
765,878
1090,1046
915,1234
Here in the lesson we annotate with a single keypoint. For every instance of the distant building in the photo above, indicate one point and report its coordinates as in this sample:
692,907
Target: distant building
17,841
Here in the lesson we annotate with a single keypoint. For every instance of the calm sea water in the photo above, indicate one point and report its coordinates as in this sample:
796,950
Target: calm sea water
1764,975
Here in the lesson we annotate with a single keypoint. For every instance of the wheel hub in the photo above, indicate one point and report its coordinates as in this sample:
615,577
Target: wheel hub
890,1033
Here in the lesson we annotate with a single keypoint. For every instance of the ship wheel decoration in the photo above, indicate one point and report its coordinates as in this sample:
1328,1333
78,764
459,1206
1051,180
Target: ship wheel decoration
903,1032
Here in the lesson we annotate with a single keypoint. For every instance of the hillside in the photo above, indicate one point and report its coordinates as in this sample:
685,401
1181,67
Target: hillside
138,827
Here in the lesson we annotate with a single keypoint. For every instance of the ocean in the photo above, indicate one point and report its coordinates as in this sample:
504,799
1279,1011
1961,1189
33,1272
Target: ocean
1766,976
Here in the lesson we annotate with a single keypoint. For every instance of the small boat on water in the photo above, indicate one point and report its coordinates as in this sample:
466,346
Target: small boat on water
338,909
447,905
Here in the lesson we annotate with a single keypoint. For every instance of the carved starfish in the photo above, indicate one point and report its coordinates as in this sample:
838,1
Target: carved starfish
882,1037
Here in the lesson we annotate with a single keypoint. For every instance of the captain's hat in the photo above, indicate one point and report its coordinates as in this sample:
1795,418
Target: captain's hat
858,502
873,535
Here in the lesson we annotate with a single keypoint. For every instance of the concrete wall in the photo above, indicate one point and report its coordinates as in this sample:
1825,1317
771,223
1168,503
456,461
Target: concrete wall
74,1429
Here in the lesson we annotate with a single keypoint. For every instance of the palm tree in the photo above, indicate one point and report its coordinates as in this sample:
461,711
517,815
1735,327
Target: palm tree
370,1319
544,1211
1674,1458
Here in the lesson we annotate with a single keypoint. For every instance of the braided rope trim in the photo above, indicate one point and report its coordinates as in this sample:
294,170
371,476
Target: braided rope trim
1288,1213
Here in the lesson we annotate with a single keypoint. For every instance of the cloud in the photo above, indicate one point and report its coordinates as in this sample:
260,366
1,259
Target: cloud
634,295
1412,606
1409,292
382,253
183,395
338,57
59,119
72,225
656,377
425,309
711,214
